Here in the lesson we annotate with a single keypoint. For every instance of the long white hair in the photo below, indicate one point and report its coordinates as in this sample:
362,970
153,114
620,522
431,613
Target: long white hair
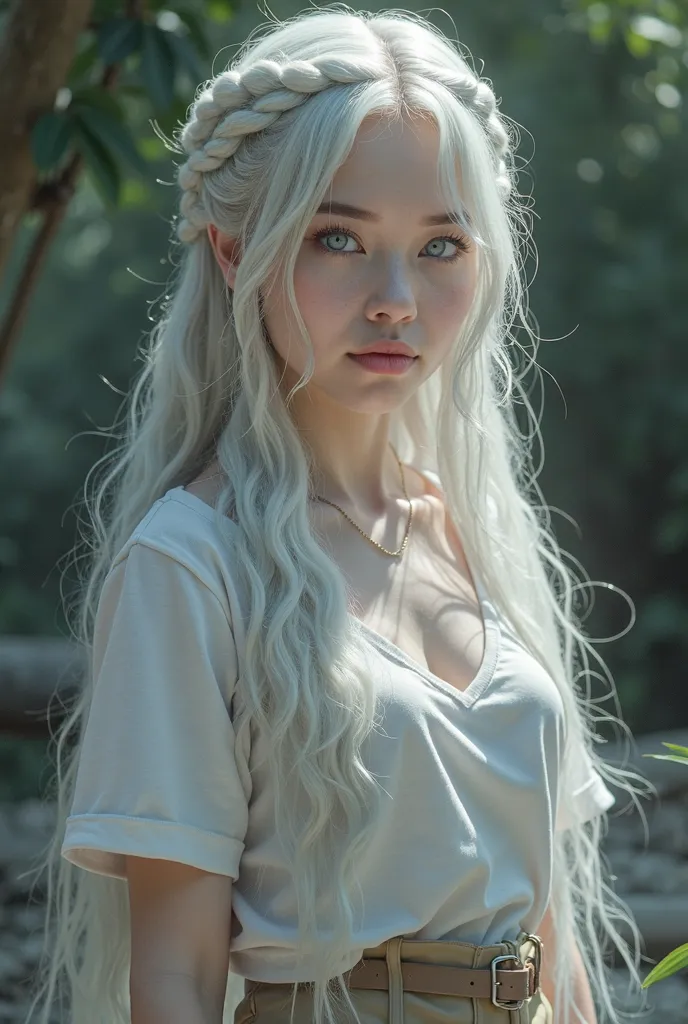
261,145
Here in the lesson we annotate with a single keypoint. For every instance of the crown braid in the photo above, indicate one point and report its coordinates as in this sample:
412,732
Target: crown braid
221,117
236,104
479,97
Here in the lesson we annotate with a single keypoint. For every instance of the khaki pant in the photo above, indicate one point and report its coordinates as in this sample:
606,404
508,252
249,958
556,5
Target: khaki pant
266,1003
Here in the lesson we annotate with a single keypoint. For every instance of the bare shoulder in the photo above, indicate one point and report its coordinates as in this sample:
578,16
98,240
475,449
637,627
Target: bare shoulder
422,484
438,521
428,497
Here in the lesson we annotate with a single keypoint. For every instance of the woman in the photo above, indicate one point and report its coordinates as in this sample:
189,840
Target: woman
330,740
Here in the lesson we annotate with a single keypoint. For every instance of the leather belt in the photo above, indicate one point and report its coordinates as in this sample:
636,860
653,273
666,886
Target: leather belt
507,987
515,984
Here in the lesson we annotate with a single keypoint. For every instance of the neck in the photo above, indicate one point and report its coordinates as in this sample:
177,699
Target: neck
354,464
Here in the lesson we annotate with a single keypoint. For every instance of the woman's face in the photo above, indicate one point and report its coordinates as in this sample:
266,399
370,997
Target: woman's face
385,275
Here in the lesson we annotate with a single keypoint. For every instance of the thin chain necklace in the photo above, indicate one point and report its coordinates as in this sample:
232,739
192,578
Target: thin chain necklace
393,554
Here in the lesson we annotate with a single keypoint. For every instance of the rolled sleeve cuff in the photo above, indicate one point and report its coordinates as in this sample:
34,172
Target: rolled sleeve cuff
99,843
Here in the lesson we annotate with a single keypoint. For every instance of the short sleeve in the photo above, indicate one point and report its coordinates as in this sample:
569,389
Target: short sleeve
157,773
584,795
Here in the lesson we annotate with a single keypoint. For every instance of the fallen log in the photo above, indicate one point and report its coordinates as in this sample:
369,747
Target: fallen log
38,674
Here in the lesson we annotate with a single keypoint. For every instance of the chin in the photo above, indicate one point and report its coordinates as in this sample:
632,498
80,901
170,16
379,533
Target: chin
372,405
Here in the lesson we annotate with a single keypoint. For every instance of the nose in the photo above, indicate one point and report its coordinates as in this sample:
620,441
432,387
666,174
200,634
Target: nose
392,292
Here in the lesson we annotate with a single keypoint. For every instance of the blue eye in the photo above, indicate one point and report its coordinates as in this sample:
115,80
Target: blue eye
458,240
337,230
332,232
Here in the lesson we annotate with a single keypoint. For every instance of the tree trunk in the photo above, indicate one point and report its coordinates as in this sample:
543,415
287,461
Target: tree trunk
36,51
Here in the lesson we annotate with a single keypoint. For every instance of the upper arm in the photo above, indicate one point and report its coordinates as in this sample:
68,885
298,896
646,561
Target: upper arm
546,928
547,977
582,994
180,925
161,773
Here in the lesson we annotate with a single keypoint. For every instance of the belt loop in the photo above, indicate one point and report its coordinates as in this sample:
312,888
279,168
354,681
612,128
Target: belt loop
395,980
521,1016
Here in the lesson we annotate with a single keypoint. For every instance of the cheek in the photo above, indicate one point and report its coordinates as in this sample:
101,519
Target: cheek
323,293
324,298
451,305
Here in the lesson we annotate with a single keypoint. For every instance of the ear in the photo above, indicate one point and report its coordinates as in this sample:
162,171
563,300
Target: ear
226,251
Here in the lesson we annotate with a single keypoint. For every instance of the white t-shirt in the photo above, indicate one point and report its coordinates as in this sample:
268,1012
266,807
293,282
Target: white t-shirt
463,846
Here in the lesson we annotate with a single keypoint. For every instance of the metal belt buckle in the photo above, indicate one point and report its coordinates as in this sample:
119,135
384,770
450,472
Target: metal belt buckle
537,961
513,1004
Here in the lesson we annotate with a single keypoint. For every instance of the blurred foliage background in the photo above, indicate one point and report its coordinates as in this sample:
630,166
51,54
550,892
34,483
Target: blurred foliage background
598,90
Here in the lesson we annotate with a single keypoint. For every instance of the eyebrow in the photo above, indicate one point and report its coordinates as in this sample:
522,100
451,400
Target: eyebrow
345,210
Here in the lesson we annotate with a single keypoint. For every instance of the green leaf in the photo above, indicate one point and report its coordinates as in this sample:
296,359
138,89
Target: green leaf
681,755
105,9
158,65
677,747
83,63
187,56
196,32
673,962
134,195
668,757
106,175
134,89
112,134
118,38
599,31
97,96
638,46
152,147
50,139
219,10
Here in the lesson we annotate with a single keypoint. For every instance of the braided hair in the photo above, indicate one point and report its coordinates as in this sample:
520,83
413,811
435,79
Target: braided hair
237,103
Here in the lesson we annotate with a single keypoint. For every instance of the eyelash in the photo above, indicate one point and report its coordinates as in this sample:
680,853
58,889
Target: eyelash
339,229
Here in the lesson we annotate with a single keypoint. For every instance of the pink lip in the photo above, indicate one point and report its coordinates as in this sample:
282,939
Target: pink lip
388,348
381,362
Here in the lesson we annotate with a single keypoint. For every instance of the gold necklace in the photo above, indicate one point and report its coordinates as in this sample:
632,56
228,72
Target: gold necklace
393,554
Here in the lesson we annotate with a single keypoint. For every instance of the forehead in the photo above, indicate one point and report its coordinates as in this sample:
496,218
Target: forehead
392,165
